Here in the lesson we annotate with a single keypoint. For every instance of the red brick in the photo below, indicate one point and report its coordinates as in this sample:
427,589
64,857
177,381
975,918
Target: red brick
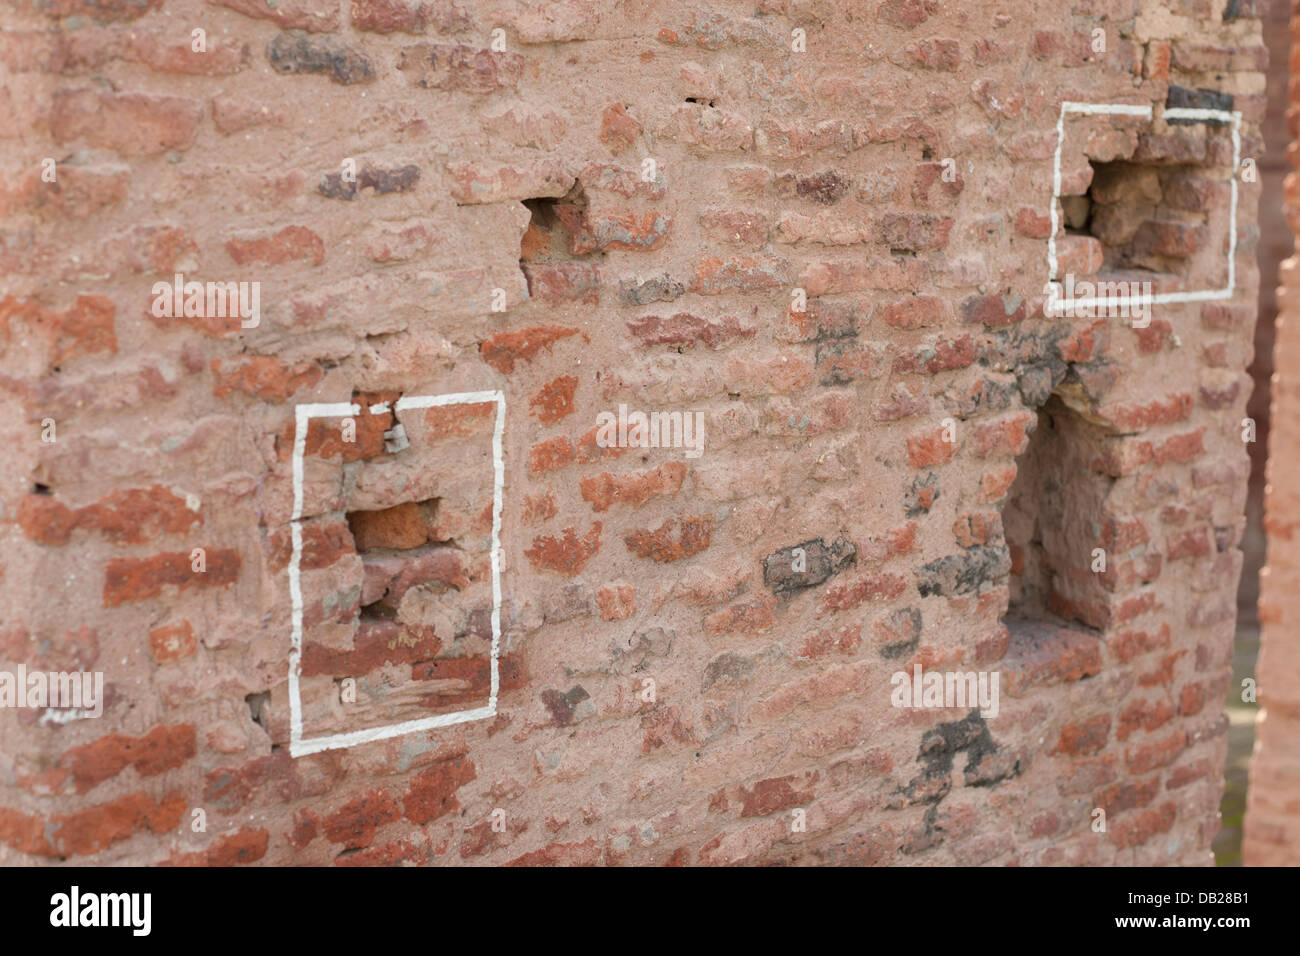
221,57
1192,543
1123,534
634,490
1168,411
1191,700
845,639
460,420
290,244
92,829
618,130
323,543
993,311
686,329
1189,773
736,226
172,642
1127,795
475,183
994,484
929,448
916,312
1152,338
872,587
616,602
943,355
638,232
1033,223
558,282
568,553
749,617
432,793
775,794
137,579
79,192
265,377
554,400
1164,672
1085,738
538,508
977,528
133,124
673,540
915,231
1005,436
1144,826
408,16
927,174
355,823
83,768
587,451
932,53
584,853
503,349
715,276
550,454
325,435
401,527
132,516
1180,449
243,846
86,328
1159,754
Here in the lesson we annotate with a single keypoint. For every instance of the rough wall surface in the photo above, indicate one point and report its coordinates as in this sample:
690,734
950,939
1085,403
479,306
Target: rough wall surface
1272,825
1276,244
620,204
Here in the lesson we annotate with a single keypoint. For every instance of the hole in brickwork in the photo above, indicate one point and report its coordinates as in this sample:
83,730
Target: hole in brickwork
1049,519
395,565
407,632
414,646
556,227
257,707
1151,220
402,548
541,212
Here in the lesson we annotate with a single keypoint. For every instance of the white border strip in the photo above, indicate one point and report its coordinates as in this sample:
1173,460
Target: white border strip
298,746
1233,117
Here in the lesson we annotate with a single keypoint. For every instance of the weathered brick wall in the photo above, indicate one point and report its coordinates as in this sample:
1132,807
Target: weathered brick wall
626,206
1276,243
1272,824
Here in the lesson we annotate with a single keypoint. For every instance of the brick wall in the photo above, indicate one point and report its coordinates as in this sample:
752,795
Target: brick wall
1275,245
823,227
1272,824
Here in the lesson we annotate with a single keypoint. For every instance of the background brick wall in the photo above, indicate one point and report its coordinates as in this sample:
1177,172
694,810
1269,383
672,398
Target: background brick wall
1272,825
1276,244
515,178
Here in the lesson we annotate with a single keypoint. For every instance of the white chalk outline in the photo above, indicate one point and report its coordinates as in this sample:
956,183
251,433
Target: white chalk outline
1054,300
303,413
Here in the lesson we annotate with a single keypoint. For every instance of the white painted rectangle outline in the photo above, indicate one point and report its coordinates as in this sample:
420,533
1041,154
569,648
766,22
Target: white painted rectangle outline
298,747
1181,112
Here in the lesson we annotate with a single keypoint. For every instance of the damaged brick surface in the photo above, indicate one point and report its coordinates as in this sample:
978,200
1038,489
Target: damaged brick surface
619,217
